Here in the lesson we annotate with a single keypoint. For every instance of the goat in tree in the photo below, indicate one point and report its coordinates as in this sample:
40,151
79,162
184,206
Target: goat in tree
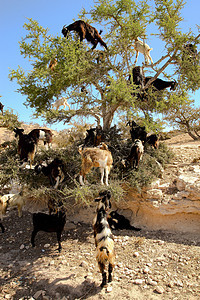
85,31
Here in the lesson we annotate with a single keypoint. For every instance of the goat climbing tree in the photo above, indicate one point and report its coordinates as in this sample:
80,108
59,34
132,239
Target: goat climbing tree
96,81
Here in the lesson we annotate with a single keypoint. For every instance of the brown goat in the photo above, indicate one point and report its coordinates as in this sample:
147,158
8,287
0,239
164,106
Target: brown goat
85,31
95,157
53,62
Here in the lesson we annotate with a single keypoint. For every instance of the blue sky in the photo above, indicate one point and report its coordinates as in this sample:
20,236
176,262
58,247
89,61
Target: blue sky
53,15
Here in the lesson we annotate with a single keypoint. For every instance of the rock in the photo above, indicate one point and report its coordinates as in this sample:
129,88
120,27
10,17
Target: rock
136,254
138,281
47,245
159,290
38,294
22,247
109,289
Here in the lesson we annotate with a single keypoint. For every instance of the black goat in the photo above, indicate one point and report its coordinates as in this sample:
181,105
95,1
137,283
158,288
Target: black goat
153,140
85,31
2,227
119,222
26,146
190,52
1,107
54,170
94,136
137,76
137,132
49,223
103,237
160,84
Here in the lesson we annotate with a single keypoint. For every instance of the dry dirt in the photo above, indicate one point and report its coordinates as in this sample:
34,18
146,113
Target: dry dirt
149,264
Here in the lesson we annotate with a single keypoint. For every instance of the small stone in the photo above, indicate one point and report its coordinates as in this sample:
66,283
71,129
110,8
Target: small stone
159,290
138,281
46,245
146,270
38,294
84,264
22,247
136,254
109,289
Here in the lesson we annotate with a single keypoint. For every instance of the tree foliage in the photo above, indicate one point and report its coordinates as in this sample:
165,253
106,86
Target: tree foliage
96,82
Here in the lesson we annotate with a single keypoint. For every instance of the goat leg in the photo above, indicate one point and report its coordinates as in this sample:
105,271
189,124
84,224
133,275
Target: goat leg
33,237
59,241
102,270
110,269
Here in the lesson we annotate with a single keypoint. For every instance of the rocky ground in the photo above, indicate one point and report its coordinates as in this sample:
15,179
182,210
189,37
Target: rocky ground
149,264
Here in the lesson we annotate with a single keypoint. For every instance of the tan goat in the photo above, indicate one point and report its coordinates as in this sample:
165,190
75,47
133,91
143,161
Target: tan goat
60,102
11,200
143,48
95,157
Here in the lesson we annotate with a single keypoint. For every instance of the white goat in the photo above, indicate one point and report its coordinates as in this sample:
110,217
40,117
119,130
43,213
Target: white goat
10,200
60,102
95,157
143,48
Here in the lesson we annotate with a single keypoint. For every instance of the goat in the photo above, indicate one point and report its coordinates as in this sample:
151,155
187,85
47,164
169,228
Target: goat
160,84
85,31
137,76
54,171
94,136
142,47
26,146
61,102
95,157
2,227
137,132
190,52
118,222
11,200
1,107
42,134
49,223
52,64
135,155
153,140
103,237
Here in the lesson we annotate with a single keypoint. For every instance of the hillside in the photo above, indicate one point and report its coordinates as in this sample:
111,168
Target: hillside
150,264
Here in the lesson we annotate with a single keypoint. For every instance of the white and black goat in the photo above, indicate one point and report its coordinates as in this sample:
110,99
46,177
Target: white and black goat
27,146
119,222
135,155
43,134
54,171
49,223
103,237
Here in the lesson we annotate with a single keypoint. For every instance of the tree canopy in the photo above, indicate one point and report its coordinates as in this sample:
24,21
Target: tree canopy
96,81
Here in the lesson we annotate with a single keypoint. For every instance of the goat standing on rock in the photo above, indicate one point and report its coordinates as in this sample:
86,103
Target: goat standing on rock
103,237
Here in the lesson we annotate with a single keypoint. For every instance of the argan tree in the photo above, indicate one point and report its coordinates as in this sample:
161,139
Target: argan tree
96,81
